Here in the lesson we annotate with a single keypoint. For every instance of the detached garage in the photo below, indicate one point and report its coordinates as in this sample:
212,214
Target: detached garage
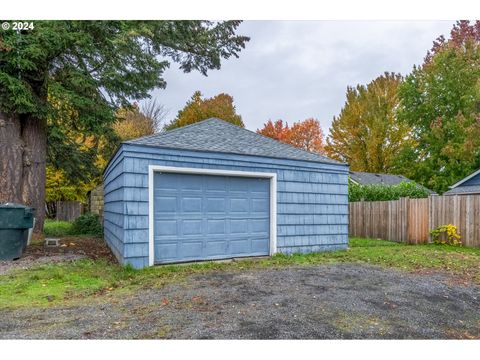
213,190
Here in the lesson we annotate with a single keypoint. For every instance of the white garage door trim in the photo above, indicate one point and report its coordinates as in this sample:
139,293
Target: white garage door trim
182,170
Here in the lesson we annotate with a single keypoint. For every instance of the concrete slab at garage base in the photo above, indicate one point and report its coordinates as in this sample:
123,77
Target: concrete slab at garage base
213,190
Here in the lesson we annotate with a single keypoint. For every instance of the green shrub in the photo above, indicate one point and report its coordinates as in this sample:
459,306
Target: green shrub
87,224
358,192
54,228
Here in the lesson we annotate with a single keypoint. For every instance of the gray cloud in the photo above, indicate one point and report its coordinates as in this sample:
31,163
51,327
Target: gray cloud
293,70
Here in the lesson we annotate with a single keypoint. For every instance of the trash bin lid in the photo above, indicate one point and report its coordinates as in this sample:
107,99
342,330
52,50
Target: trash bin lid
13,206
28,209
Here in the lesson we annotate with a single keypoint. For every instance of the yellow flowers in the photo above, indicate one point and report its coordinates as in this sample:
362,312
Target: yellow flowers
450,235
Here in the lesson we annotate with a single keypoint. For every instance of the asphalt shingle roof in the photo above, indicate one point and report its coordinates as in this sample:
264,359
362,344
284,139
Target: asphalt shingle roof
366,178
220,136
463,190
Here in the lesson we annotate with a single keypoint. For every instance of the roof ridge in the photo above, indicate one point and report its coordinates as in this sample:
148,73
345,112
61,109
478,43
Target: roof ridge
170,131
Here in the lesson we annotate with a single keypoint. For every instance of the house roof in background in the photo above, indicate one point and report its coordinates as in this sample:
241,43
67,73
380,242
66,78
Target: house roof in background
472,189
220,136
365,178
475,173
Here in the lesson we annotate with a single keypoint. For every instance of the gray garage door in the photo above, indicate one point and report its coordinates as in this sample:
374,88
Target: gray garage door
200,217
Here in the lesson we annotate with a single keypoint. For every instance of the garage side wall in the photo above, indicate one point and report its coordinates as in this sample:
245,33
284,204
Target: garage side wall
312,198
114,206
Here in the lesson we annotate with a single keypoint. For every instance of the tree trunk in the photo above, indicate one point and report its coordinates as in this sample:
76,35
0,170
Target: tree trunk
11,162
23,148
34,136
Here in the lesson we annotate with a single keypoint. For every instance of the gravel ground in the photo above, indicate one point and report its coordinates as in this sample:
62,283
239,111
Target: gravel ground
341,301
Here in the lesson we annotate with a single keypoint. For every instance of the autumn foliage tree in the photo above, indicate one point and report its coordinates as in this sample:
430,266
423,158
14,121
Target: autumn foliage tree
306,135
277,130
197,109
366,134
440,100
135,121
131,122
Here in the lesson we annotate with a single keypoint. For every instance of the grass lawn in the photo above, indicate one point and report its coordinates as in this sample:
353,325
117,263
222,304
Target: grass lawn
87,280
54,228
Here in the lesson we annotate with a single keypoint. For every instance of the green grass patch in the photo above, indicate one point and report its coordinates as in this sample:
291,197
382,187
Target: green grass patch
87,279
452,259
54,228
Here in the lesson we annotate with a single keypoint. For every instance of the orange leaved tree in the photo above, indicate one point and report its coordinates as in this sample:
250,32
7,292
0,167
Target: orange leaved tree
306,135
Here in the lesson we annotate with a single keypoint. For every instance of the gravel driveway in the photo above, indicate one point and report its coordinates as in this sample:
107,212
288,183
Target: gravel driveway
321,302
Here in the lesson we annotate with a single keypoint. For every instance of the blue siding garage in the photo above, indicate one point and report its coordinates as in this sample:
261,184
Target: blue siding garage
213,190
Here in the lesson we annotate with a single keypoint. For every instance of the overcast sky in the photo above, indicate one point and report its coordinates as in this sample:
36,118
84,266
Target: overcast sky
293,70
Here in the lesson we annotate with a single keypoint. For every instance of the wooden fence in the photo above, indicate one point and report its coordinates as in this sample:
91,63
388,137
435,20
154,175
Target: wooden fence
410,220
68,210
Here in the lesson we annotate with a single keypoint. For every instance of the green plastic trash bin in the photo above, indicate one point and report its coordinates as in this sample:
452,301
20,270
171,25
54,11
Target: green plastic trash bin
15,221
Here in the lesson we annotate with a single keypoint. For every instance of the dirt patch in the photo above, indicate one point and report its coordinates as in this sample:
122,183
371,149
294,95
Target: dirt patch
69,249
91,247
340,301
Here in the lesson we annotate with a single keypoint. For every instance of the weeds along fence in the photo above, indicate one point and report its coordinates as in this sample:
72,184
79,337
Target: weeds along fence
410,220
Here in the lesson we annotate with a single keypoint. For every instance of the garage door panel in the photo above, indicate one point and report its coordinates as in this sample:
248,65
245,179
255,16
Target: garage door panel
260,205
210,217
216,184
237,184
192,227
259,186
215,227
259,226
166,227
166,250
191,204
239,205
215,205
191,249
168,182
216,248
240,246
238,226
189,182
259,246
166,204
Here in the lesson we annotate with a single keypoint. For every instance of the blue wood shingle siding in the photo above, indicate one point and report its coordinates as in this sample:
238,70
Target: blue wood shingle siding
312,198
